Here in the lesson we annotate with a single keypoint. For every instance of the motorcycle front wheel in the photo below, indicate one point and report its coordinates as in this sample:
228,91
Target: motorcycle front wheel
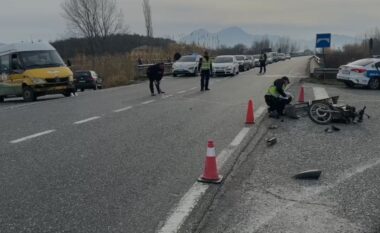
320,113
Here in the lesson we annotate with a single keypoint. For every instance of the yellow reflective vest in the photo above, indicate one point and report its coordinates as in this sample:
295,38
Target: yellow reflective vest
206,64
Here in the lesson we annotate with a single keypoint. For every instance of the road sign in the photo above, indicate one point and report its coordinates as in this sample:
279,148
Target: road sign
323,40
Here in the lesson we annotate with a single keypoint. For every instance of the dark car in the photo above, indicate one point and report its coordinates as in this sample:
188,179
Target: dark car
87,79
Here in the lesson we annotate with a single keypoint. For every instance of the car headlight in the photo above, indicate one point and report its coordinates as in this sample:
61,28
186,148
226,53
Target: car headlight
38,81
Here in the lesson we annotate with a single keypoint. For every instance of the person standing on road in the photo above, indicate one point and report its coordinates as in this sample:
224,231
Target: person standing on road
205,66
155,74
276,97
177,56
263,62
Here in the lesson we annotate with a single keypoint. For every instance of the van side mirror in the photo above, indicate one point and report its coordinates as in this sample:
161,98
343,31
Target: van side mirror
68,63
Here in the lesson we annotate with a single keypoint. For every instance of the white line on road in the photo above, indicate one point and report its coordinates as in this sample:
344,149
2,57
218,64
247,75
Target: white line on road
193,88
122,109
86,120
320,93
241,135
32,136
190,199
148,102
181,92
167,96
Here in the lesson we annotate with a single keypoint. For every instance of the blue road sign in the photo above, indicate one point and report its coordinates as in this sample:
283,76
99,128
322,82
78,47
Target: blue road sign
323,40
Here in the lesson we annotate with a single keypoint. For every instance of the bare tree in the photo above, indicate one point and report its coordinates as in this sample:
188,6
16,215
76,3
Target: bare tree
148,18
93,19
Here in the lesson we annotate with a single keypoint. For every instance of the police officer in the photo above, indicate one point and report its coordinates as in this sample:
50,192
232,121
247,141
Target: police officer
263,62
155,74
205,66
276,98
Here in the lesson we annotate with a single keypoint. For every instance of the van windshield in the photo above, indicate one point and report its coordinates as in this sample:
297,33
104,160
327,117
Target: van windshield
41,59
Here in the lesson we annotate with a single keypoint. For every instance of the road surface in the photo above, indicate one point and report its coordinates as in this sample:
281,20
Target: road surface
117,160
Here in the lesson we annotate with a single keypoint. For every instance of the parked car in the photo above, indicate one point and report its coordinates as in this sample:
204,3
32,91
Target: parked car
281,56
270,58
225,65
288,56
256,60
364,72
250,60
243,62
87,79
186,65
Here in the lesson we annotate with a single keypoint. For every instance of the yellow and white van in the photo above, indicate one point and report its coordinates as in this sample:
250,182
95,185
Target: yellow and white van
31,70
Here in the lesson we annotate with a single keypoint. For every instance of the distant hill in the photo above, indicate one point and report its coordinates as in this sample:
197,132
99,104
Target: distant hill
235,35
115,44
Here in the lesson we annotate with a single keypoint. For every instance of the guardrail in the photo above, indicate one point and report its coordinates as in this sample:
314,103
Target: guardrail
141,69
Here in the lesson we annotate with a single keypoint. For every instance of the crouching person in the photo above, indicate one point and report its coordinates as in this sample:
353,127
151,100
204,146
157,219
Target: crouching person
276,97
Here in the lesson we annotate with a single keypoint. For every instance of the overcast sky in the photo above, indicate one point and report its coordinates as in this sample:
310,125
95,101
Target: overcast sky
42,19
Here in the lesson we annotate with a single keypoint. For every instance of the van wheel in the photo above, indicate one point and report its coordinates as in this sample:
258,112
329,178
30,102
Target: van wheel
28,94
67,93
1,99
374,84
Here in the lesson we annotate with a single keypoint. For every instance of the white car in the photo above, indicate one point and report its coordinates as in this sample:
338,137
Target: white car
256,60
270,58
364,72
186,65
225,65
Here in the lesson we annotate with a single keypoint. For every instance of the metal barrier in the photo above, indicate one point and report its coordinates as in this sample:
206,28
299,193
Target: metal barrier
325,73
141,69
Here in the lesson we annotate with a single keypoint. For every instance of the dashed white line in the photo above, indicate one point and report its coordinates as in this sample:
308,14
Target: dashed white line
167,96
122,109
86,120
32,136
181,92
320,93
148,102
187,203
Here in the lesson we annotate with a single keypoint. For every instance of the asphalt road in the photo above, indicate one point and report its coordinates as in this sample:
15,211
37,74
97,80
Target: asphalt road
261,195
117,160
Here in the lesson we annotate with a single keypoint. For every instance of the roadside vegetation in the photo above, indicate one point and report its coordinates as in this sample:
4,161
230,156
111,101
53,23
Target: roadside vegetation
349,53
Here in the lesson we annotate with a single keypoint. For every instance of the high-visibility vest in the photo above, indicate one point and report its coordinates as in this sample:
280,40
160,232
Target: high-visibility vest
273,91
206,64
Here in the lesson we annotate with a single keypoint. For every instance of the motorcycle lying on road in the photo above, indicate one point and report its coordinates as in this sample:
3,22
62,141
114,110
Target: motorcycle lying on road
328,110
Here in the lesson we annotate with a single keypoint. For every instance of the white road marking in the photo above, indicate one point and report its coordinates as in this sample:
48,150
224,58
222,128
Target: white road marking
86,120
260,111
320,93
167,96
184,207
346,176
241,135
148,102
193,88
187,203
122,109
32,136
181,92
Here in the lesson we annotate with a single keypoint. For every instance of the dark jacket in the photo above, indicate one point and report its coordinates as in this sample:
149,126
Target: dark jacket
280,85
263,57
155,72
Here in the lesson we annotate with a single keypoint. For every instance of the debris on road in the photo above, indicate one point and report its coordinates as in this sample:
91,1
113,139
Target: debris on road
308,175
273,127
271,141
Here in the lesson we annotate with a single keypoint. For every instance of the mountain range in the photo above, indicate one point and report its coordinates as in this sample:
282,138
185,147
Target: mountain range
235,35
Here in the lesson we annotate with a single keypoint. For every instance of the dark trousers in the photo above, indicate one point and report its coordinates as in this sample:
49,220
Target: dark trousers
276,104
156,82
205,77
263,67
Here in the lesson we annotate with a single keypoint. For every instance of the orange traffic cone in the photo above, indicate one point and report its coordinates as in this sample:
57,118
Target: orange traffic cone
250,113
210,174
301,97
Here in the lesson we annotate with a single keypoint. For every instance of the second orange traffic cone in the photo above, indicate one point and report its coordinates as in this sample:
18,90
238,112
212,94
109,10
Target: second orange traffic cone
301,97
210,174
250,113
